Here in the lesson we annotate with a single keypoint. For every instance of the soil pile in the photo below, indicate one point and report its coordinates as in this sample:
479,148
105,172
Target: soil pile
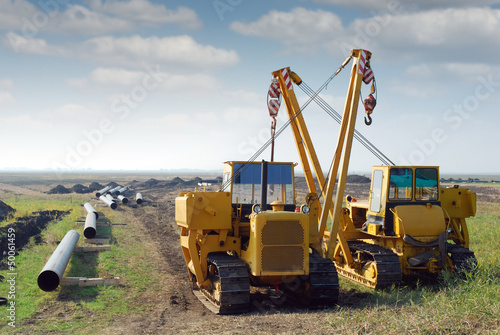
94,186
28,226
357,179
5,210
79,188
59,189
176,182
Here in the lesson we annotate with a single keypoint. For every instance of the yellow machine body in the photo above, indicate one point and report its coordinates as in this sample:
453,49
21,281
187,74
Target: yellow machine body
266,231
411,215
277,235
408,225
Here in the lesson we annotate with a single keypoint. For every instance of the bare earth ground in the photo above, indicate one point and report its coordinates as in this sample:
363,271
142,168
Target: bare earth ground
178,311
172,308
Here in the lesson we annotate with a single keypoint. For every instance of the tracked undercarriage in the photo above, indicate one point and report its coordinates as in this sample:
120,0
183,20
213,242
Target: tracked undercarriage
230,292
378,267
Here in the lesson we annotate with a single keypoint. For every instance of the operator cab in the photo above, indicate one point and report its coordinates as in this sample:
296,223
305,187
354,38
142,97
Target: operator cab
400,185
244,181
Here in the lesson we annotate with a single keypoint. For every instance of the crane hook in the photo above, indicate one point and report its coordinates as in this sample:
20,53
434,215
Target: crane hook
369,104
369,121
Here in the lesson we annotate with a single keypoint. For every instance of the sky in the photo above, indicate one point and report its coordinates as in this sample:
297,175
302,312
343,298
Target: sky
170,85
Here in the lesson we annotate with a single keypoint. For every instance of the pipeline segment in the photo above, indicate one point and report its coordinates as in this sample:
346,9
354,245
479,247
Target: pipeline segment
102,191
138,198
51,274
122,199
123,190
90,226
115,190
91,209
108,202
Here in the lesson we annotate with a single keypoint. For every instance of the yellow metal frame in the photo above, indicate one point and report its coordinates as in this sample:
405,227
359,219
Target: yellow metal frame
342,151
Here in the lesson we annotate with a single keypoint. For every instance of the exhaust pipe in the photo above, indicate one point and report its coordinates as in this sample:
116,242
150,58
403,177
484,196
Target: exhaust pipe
51,274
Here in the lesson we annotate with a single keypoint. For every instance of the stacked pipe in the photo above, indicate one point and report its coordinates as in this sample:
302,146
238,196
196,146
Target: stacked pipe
115,190
102,191
123,190
51,274
108,202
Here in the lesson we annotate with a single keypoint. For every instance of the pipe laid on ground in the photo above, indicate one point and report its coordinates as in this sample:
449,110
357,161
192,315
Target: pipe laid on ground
123,199
102,191
51,274
90,226
115,190
123,190
138,198
91,209
108,202
110,197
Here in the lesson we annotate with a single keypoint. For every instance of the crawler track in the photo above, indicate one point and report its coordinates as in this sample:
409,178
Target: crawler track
380,267
323,280
230,293
463,258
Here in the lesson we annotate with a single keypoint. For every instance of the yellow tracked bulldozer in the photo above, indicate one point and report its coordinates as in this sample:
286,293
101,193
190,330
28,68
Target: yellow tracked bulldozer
409,223
252,233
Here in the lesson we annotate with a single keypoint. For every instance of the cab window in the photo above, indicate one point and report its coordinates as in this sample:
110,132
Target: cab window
376,195
426,184
247,183
401,184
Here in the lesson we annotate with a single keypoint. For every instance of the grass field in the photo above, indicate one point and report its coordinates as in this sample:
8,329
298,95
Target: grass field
458,303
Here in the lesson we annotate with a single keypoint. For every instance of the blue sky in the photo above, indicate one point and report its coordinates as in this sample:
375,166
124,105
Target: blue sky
155,85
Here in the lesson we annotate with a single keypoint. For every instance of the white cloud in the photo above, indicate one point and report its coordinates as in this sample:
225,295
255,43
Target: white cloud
6,83
176,50
181,53
422,4
460,34
35,46
122,79
149,13
6,97
299,30
100,18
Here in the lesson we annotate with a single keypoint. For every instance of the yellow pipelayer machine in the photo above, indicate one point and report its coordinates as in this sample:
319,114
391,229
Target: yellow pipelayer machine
253,232
409,223
236,238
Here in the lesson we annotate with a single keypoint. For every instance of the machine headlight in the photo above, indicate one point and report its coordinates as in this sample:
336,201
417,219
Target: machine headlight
256,208
305,209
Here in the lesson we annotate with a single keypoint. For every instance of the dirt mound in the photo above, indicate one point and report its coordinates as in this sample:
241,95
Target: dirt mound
29,226
94,186
79,188
357,179
59,189
175,182
5,210
150,183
